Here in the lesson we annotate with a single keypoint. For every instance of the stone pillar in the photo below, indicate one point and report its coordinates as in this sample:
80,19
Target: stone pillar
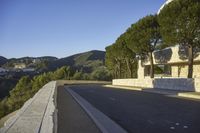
174,71
140,71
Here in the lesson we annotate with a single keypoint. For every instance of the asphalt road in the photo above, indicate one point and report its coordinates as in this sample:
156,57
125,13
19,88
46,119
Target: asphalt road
71,117
142,112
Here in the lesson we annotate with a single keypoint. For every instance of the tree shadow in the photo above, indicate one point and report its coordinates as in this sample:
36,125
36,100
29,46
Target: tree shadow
179,84
163,56
183,52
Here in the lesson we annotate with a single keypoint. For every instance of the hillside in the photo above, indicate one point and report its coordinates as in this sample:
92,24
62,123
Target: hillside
3,60
29,61
86,61
24,59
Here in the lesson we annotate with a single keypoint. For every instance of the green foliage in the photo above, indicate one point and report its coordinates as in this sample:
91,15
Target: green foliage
18,96
120,60
27,87
144,37
101,74
6,84
64,72
87,61
180,24
78,75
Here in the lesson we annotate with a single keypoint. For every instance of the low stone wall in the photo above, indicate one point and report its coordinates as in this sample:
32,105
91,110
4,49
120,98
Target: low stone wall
71,82
197,84
182,84
36,115
145,83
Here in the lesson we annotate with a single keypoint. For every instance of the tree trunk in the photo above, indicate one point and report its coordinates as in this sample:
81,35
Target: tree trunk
151,65
129,68
120,73
190,62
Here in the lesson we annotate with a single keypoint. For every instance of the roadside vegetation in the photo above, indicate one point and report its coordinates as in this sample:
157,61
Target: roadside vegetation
27,86
178,23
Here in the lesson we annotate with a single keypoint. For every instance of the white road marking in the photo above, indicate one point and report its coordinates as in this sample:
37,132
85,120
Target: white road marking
172,128
113,99
185,127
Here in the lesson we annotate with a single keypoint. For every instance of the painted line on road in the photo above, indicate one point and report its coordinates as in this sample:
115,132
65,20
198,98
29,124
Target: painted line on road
103,122
123,87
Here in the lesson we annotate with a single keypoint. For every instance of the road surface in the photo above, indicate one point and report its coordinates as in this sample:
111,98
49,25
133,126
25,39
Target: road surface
142,112
71,117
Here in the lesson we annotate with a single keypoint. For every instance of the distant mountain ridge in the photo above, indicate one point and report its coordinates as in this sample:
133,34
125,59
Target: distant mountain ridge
83,61
86,61
32,58
3,60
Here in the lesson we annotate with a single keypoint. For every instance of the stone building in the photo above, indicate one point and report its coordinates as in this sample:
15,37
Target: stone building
173,61
19,65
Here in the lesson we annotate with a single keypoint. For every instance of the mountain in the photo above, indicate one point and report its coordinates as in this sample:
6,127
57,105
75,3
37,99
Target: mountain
86,61
30,61
3,60
23,59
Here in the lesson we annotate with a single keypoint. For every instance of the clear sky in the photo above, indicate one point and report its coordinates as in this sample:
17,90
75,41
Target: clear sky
64,27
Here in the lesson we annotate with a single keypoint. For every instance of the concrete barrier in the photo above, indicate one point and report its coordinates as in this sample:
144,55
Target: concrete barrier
71,82
145,83
182,84
36,115
39,114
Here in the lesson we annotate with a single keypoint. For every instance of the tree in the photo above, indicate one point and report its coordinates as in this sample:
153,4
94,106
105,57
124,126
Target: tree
109,60
120,60
20,93
101,74
64,72
144,37
126,54
180,24
78,75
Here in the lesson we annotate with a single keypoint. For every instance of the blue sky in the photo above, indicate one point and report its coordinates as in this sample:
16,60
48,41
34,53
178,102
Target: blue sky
64,27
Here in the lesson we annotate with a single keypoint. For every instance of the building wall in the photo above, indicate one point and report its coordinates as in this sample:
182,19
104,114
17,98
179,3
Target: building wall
183,84
182,71
174,57
179,67
140,71
20,66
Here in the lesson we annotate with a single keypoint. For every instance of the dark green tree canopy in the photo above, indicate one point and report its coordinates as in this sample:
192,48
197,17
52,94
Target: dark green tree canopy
144,35
180,22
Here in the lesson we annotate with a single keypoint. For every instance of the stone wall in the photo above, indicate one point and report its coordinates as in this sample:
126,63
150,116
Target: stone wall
145,83
140,71
36,115
182,71
174,57
183,84
197,84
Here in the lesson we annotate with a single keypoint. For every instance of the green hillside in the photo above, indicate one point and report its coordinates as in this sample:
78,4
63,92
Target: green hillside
85,62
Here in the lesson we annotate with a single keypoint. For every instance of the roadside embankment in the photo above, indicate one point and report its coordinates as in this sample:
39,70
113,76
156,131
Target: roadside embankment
36,115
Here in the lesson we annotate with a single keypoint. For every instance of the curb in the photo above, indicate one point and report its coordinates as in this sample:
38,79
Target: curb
104,123
123,87
191,95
